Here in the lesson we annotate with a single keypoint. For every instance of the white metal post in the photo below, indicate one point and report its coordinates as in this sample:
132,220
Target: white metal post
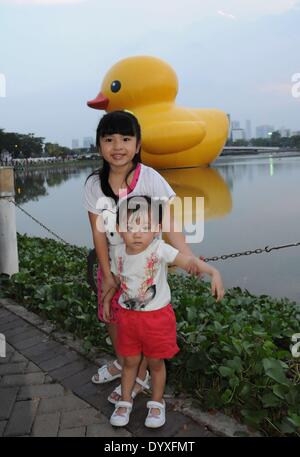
9,262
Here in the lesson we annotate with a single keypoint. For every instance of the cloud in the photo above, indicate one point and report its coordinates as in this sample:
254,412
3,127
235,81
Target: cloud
159,11
229,16
41,2
253,7
234,8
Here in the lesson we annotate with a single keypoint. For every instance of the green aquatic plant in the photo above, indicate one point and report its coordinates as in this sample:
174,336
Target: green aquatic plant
234,355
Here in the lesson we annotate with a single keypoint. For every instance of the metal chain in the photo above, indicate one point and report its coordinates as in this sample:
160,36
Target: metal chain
210,259
255,251
44,227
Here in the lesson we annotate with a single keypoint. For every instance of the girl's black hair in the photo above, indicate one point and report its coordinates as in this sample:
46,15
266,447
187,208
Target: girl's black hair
154,205
123,123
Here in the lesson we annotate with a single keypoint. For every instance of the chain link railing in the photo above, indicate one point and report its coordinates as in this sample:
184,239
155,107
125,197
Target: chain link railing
207,259
46,228
92,257
255,251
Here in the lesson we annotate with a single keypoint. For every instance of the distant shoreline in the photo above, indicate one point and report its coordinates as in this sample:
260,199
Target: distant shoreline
258,151
66,164
97,163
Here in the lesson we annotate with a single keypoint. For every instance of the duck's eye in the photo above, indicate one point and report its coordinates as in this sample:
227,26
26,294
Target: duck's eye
115,86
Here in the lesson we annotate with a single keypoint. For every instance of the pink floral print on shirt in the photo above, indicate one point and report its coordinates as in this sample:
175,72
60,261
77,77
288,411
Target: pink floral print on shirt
147,289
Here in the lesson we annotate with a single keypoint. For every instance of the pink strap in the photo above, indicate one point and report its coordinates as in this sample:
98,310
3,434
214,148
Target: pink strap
134,181
135,177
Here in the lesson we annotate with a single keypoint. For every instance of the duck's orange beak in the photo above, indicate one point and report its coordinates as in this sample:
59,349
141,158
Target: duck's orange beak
100,102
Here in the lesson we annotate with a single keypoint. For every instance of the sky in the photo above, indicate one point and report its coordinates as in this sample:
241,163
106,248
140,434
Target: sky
238,56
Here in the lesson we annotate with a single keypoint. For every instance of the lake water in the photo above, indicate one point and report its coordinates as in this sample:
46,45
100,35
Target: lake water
250,202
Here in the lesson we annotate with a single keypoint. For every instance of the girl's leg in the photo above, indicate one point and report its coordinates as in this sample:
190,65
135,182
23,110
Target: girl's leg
129,372
137,388
158,376
112,369
141,373
112,331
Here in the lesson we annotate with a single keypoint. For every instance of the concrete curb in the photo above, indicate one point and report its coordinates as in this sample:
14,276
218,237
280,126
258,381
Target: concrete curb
217,423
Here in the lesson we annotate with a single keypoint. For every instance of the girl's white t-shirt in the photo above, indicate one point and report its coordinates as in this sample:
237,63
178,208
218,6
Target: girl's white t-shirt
143,276
150,183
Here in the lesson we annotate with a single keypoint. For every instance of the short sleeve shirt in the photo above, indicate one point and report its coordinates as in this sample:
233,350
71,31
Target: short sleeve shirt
143,276
149,183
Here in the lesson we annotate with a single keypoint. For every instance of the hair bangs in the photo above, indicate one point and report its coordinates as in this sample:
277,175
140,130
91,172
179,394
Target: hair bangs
118,122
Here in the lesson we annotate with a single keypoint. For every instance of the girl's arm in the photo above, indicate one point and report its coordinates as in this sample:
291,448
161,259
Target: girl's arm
107,303
107,298
177,239
188,262
101,247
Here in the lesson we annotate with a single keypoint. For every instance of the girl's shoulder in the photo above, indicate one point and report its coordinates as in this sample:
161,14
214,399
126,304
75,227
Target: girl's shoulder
153,183
149,174
94,199
149,170
93,183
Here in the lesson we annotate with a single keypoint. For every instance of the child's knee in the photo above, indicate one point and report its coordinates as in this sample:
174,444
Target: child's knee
155,364
132,361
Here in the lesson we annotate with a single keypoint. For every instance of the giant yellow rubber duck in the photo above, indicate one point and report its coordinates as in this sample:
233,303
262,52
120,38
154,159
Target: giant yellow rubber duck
172,136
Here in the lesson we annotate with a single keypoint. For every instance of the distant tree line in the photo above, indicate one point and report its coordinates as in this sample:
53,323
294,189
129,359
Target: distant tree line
276,140
22,146
28,145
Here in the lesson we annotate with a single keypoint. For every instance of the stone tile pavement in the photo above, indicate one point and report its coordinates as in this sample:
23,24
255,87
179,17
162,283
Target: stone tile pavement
45,390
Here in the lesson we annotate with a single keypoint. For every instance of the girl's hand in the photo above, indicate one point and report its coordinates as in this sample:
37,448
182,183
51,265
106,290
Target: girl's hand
193,267
217,288
108,282
106,311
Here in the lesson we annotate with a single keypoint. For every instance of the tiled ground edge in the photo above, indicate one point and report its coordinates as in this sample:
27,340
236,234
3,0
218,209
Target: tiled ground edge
217,423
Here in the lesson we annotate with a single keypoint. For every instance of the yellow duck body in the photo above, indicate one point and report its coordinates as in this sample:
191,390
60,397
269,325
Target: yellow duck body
172,136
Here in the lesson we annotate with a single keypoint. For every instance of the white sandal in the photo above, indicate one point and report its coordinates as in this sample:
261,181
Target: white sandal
118,390
156,420
120,420
104,375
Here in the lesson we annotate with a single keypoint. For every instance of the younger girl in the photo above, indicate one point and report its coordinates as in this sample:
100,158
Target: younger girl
119,141
146,322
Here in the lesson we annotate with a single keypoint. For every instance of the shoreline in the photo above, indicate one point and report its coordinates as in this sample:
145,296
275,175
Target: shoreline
275,153
242,153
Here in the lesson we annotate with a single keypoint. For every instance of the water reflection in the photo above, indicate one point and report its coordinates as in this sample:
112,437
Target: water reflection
31,184
249,203
241,168
201,182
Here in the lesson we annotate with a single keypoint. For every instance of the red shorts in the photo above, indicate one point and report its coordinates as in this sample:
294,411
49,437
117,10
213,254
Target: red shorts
115,307
152,333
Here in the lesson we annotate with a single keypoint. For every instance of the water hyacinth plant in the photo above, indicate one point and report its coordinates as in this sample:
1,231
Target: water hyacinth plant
235,356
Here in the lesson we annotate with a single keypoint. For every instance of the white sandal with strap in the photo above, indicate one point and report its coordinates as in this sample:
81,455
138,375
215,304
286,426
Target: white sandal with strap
156,420
104,375
118,390
120,420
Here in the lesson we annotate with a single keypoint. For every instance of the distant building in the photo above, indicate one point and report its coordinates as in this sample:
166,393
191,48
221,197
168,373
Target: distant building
264,131
87,142
295,133
248,130
238,134
234,130
285,132
235,124
75,144
229,128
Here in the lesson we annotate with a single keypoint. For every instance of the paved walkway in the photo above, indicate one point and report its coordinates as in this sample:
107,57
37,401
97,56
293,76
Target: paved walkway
45,390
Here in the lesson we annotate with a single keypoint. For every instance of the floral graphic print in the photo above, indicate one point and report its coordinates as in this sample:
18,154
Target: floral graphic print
147,289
